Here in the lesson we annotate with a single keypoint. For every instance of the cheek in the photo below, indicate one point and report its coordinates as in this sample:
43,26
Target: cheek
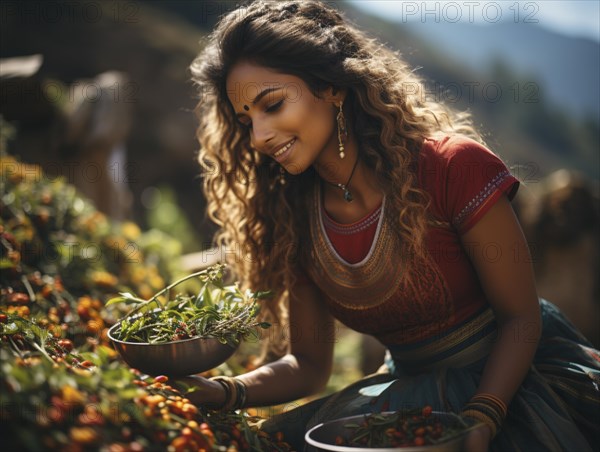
324,129
319,122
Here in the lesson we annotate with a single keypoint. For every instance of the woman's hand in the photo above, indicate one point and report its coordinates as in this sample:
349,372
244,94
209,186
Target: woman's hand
478,440
206,392
302,372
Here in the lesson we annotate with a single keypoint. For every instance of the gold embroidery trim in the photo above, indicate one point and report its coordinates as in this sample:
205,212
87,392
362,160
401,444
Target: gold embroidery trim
359,286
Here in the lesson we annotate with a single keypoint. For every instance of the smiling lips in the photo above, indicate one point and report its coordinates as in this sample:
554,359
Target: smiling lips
283,149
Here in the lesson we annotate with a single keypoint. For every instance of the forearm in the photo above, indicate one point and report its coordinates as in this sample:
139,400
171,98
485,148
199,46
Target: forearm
284,380
511,356
306,369
509,284
302,372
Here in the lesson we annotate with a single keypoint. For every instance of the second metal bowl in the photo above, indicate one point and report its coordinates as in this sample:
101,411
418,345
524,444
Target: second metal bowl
322,437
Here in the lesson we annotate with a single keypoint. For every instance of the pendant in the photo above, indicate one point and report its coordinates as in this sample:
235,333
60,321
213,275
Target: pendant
347,195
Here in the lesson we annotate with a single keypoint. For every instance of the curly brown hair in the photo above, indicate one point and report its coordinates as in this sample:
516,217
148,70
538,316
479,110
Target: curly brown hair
261,223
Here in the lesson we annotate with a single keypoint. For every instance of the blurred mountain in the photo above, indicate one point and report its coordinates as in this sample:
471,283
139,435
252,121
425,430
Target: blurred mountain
154,42
530,118
567,69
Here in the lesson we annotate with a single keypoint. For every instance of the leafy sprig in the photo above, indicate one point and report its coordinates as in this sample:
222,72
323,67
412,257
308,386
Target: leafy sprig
218,311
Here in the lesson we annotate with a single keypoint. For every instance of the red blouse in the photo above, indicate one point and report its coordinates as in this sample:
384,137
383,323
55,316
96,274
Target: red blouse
356,267
352,241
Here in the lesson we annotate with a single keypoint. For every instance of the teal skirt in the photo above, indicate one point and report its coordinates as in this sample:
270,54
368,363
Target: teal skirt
557,407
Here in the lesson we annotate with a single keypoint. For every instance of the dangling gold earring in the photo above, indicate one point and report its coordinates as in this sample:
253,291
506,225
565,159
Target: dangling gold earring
281,177
342,132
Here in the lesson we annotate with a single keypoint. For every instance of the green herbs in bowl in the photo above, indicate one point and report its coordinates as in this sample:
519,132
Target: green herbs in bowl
416,430
186,334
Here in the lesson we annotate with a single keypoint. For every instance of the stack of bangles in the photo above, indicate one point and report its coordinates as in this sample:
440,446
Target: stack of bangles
235,393
488,409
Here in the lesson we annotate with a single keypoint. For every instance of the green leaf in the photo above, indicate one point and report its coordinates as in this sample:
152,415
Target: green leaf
103,353
115,301
10,328
6,263
125,297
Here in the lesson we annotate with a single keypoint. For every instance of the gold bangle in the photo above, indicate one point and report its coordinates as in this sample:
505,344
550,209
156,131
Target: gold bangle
487,409
241,388
494,399
478,415
225,387
235,393
231,393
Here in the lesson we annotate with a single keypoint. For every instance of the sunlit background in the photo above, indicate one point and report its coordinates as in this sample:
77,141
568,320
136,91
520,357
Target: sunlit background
100,92
555,43
100,192
575,18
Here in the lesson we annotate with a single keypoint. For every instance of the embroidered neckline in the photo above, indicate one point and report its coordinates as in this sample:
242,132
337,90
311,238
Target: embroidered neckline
322,220
356,286
351,228
375,287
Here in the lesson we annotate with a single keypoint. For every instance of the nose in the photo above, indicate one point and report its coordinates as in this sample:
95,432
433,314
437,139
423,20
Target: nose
261,135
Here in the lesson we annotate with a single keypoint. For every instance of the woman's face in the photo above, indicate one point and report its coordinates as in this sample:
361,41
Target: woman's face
285,120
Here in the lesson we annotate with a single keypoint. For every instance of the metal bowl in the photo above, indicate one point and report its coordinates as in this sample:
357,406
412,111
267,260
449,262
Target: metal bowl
322,436
177,358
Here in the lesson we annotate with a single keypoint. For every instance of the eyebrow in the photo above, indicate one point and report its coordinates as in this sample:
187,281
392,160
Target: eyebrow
259,96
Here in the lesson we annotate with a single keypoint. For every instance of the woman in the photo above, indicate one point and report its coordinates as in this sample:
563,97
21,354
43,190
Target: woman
339,186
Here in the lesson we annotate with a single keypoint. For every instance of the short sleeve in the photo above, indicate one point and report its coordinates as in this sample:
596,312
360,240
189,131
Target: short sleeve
471,180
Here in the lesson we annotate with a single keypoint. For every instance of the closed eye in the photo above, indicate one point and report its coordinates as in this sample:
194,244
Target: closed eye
275,106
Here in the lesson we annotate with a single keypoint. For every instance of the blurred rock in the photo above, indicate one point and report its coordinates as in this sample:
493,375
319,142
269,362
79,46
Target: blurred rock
561,220
151,49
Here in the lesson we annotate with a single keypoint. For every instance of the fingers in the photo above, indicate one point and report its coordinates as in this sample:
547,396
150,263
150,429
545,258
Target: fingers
478,440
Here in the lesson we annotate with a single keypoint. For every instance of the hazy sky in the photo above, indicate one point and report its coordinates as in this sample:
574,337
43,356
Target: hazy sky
572,17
